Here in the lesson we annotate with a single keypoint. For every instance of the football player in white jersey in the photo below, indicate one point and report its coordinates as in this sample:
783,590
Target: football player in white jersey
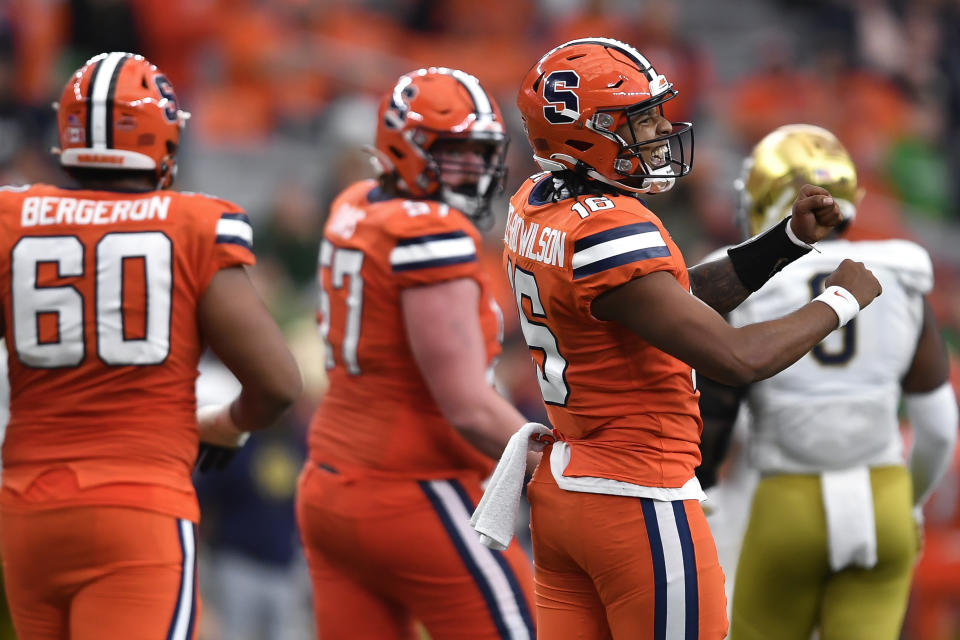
831,539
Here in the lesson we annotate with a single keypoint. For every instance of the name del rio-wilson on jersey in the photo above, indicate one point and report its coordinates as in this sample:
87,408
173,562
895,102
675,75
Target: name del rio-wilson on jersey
529,240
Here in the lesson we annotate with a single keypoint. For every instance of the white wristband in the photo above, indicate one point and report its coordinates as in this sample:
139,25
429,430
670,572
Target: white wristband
216,426
794,239
843,303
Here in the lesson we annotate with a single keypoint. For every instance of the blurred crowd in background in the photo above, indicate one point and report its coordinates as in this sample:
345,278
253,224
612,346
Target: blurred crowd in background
284,93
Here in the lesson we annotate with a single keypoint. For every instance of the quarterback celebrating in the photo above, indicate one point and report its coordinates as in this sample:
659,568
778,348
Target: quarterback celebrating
621,546
110,292
411,425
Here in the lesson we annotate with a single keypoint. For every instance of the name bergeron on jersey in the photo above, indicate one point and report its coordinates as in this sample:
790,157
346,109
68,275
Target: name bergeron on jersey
50,210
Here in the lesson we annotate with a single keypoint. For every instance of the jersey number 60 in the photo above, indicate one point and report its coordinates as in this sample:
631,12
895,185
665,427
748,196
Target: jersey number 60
117,256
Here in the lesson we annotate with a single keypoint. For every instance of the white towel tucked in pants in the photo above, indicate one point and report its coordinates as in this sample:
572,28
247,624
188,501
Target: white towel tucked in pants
851,529
496,516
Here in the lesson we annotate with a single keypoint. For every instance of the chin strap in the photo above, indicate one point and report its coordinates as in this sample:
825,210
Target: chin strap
562,162
477,208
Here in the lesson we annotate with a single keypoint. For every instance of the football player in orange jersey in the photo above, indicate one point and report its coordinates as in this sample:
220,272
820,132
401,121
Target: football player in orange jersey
411,425
621,546
110,290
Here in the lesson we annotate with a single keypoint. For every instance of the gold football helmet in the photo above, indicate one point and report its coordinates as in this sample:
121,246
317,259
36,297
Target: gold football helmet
781,163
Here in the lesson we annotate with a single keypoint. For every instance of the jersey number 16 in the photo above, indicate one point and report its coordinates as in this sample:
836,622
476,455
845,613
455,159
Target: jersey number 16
552,373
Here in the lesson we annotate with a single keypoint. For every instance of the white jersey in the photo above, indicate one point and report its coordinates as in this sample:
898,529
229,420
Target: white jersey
837,406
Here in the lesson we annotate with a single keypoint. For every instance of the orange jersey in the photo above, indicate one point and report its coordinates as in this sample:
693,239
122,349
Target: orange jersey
378,413
628,409
100,292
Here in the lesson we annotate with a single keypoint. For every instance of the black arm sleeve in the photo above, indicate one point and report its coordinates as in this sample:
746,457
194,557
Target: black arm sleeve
762,256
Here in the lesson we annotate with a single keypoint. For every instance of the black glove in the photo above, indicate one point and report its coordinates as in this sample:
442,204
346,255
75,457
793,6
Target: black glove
211,457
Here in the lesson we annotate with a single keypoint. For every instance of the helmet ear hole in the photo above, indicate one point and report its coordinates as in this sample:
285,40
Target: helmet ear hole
579,145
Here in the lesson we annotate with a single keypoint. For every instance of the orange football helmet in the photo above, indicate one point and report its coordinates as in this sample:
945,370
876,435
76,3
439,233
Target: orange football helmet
439,105
119,112
579,94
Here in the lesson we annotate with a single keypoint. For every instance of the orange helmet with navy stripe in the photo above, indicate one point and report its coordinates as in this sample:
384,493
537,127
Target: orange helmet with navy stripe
119,112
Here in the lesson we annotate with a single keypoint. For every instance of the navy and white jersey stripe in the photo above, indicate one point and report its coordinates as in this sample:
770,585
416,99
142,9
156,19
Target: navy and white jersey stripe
234,228
676,603
103,85
618,246
185,612
490,570
434,250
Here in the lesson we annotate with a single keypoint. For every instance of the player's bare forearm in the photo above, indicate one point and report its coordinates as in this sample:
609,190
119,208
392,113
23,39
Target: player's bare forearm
447,343
717,284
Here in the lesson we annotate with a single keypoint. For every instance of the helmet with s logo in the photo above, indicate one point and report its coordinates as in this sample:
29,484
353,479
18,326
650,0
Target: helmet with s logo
436,109
578,96
118,112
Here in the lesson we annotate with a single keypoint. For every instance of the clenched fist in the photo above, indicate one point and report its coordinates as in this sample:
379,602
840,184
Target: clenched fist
815,214
857,279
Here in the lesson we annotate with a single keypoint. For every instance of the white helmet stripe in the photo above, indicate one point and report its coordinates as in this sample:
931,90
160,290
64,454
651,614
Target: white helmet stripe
93,78
482,106
398,101
638,58
481,103
100,101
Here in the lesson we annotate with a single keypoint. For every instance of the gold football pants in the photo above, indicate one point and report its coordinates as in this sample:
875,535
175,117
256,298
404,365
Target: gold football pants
784,585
